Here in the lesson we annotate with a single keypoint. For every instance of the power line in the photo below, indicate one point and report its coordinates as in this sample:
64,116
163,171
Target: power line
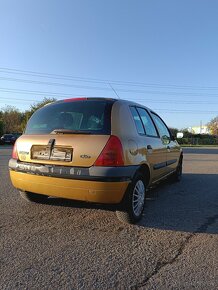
108,89
53,76
43,93
53,84
18,99
105,81
62,95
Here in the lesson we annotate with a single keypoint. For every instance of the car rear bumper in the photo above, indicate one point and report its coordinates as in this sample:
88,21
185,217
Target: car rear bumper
94,184
92,191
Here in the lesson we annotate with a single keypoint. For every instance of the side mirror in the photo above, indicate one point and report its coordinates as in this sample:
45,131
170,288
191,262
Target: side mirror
179,135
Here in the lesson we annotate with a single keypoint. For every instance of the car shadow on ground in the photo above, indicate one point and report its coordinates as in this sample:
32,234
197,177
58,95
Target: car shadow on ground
188,206
55,201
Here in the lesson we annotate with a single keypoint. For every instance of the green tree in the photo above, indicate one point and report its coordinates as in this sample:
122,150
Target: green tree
11,119
174,131
41,104
213,126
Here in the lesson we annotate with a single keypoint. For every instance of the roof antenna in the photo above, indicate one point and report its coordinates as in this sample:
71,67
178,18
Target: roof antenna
114,91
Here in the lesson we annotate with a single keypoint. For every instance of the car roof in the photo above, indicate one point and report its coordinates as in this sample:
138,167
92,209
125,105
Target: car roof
120,101
132,103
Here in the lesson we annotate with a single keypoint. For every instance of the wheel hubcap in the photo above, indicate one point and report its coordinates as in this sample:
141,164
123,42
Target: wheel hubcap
138,197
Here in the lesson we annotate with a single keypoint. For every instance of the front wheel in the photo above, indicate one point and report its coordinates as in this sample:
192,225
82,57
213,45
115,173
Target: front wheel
177,176
134,201
33,197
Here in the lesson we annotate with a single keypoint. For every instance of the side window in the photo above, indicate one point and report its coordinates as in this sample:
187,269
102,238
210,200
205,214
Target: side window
147,122
162,128
137,121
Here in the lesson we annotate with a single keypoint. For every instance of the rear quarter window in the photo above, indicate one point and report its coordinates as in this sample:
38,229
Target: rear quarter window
137,120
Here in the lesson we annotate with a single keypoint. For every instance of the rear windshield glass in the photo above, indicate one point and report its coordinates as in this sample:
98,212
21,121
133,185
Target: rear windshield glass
88,116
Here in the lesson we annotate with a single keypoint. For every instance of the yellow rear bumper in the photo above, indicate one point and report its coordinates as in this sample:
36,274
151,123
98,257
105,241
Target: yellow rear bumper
92,191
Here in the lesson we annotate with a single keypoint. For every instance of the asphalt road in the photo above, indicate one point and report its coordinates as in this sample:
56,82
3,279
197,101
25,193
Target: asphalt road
68,245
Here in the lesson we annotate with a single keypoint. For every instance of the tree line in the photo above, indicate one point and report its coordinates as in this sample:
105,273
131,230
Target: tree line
199,139
14,121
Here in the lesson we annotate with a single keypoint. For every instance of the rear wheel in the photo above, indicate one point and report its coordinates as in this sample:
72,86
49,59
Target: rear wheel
134,201
33,197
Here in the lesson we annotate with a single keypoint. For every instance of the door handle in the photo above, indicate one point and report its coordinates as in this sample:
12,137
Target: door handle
149,147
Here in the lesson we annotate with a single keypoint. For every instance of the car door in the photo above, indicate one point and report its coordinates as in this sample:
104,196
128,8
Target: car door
168,141
153,148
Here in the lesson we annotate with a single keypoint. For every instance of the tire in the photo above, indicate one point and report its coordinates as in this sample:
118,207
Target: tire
177,176
134,201
33,197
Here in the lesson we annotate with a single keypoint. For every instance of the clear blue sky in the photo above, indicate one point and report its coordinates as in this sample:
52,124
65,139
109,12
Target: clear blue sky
167,50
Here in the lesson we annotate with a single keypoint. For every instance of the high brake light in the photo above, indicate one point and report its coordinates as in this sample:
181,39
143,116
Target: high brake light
112,154
75,99
14,152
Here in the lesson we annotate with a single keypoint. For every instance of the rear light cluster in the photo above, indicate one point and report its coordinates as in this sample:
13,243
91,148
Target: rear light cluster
14,152
112,154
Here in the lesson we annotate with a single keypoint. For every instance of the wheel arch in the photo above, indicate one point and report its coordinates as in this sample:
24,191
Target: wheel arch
145,170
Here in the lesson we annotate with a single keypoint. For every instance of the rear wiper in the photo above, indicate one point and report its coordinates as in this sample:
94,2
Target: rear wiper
66,131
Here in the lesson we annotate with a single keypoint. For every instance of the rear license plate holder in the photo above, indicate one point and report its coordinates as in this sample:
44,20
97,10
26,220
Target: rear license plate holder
56,154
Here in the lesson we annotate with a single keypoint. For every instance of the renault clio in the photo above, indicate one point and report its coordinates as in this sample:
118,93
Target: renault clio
96,150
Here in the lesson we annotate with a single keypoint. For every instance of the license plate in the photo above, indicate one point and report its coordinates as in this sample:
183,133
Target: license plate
56,154
62,154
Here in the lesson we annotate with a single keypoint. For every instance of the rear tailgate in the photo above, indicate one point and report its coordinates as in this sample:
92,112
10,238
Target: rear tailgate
68,150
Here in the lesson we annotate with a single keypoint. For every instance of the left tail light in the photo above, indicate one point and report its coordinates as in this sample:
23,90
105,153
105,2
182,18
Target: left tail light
14,152
112,154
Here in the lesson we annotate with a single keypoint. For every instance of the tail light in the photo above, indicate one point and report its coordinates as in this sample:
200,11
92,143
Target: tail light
112,154
14,152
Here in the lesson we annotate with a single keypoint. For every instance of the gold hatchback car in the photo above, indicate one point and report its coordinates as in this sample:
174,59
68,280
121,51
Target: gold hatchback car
96,150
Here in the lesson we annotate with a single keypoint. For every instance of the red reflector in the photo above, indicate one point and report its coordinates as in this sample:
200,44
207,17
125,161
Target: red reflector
75,99
112,154
14,152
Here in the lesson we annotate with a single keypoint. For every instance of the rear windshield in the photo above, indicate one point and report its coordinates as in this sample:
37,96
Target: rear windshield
88,116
